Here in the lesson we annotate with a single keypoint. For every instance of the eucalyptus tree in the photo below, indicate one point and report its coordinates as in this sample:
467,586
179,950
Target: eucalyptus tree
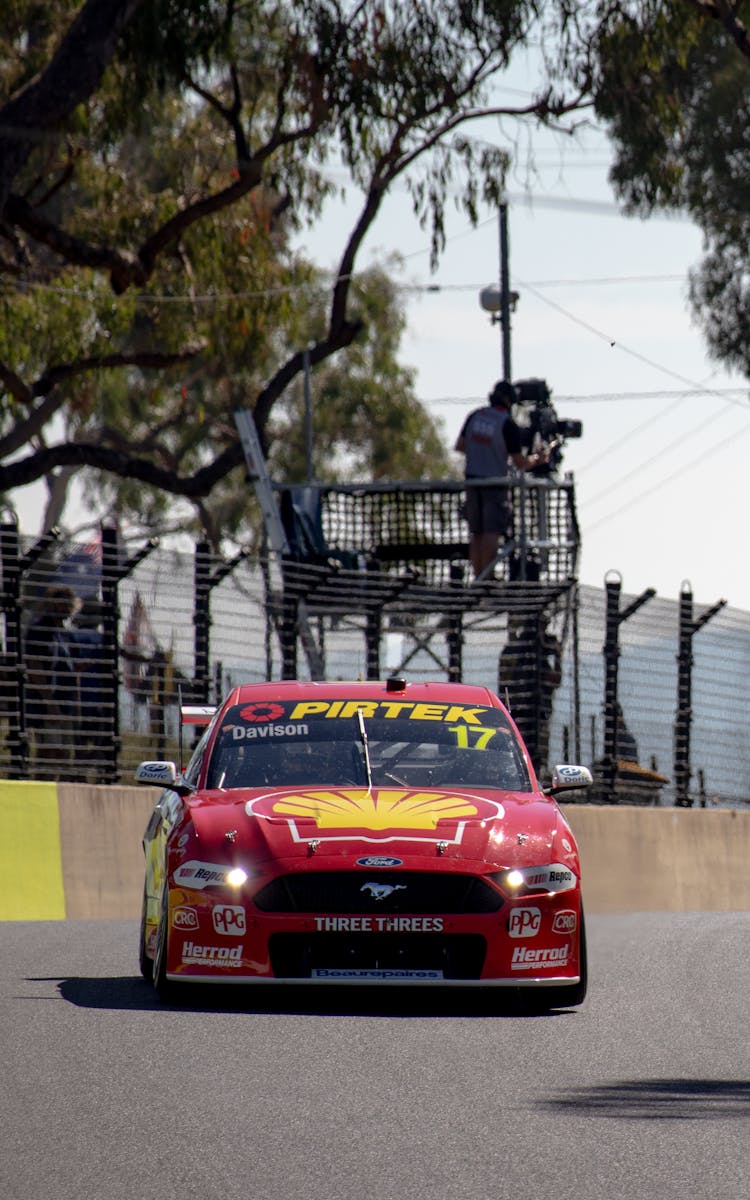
155,161
671,79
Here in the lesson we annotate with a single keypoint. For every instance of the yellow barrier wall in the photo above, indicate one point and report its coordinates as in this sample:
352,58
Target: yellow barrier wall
74,850
31,879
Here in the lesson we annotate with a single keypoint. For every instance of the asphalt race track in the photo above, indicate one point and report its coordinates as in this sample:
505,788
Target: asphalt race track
642,1093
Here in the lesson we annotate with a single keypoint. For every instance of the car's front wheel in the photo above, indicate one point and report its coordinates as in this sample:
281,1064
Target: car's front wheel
164,987
532,1001
145,960
567,995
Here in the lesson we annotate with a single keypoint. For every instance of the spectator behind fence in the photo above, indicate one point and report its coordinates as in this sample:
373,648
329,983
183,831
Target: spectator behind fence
490,439
52,683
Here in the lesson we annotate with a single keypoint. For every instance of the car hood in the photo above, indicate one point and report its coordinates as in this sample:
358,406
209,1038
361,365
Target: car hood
333,826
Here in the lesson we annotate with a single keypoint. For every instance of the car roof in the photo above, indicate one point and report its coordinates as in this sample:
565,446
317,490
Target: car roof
434,691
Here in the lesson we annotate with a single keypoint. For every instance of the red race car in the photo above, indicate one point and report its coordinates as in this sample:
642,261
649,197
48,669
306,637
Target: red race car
379,832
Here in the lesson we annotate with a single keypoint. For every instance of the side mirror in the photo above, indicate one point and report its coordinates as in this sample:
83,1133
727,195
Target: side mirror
162,774
566,777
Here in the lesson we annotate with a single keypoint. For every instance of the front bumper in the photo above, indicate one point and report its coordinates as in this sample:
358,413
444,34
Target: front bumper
533,942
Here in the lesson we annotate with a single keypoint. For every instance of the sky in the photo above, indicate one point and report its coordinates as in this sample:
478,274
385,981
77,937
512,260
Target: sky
603,317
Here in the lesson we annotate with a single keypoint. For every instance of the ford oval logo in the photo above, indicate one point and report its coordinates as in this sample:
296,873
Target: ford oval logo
376,860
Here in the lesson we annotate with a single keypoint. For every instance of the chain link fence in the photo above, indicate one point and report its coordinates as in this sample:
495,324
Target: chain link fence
591,675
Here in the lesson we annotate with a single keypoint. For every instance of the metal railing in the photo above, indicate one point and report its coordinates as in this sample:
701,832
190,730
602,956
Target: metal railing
154,622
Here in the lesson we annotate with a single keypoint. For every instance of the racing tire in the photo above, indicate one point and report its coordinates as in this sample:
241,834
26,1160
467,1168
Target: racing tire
530,1002
164,987
145,961
568,995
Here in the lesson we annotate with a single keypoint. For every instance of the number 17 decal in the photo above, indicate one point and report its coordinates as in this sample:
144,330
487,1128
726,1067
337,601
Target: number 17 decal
483,736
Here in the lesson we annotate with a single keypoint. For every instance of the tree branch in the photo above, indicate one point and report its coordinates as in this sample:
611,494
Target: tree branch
72,249
86,454
45,386
70,77
726,14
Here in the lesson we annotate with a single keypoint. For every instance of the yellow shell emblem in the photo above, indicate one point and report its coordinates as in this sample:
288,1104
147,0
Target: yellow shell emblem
378,810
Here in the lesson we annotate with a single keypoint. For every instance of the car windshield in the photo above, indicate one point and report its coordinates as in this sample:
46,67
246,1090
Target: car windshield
402,744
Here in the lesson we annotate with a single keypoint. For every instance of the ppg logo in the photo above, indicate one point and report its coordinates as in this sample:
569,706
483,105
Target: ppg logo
524,922
565,922
229,919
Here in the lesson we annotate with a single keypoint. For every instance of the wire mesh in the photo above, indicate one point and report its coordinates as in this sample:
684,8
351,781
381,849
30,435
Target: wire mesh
140,643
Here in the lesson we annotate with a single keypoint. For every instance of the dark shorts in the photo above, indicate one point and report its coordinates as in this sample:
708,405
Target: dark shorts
487,510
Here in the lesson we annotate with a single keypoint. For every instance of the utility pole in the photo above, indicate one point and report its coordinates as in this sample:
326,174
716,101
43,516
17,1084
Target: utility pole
505,293
308,416
501,301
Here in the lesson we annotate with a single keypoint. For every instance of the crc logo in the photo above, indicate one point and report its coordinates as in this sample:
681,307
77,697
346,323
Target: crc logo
565,922
229,919
524,922
184,918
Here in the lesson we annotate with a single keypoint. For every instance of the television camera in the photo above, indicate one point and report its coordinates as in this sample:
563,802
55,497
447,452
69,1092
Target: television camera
536,417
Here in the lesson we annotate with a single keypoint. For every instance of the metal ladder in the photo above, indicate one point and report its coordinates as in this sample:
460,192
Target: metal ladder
258,474
273,525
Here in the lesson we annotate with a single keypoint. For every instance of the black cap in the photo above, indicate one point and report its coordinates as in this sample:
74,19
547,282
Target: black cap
503,393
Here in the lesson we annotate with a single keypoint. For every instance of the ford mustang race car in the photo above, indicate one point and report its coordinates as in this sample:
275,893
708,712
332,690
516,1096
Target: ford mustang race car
371,832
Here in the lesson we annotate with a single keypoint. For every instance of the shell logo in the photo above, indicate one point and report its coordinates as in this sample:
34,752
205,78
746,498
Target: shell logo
377,811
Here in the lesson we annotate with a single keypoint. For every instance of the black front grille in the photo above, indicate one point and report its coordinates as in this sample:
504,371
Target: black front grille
368,892
456,955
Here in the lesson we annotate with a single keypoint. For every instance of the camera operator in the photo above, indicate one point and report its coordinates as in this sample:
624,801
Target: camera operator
491,440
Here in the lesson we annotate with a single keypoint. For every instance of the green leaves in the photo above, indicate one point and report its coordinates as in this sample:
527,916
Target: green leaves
150,180
673,85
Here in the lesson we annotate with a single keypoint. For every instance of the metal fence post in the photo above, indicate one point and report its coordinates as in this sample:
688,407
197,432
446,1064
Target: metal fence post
17,564
110,684
684,715
454,628
205,581
12,698
611,651
201,622
373,631
114,569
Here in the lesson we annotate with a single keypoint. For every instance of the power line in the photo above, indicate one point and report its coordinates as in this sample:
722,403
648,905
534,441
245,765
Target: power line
697,462
602,281
644,465
328,276
610,397
614,343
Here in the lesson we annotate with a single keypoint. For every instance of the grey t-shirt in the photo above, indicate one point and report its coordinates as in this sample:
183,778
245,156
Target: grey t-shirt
490,435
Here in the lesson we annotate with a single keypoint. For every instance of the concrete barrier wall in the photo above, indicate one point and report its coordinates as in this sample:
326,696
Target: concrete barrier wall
662,859
71,850
74,850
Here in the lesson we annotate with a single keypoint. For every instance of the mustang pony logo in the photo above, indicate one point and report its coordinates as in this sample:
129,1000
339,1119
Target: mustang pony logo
377,812
381,891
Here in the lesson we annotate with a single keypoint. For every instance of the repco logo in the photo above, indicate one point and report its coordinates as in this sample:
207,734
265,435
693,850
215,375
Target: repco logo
229,919
524,922
565,922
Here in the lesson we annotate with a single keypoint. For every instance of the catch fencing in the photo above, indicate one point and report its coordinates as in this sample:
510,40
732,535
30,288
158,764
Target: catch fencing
647,691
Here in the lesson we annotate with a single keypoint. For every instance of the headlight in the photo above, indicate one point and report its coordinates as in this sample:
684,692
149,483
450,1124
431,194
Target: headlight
523,881
236,877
